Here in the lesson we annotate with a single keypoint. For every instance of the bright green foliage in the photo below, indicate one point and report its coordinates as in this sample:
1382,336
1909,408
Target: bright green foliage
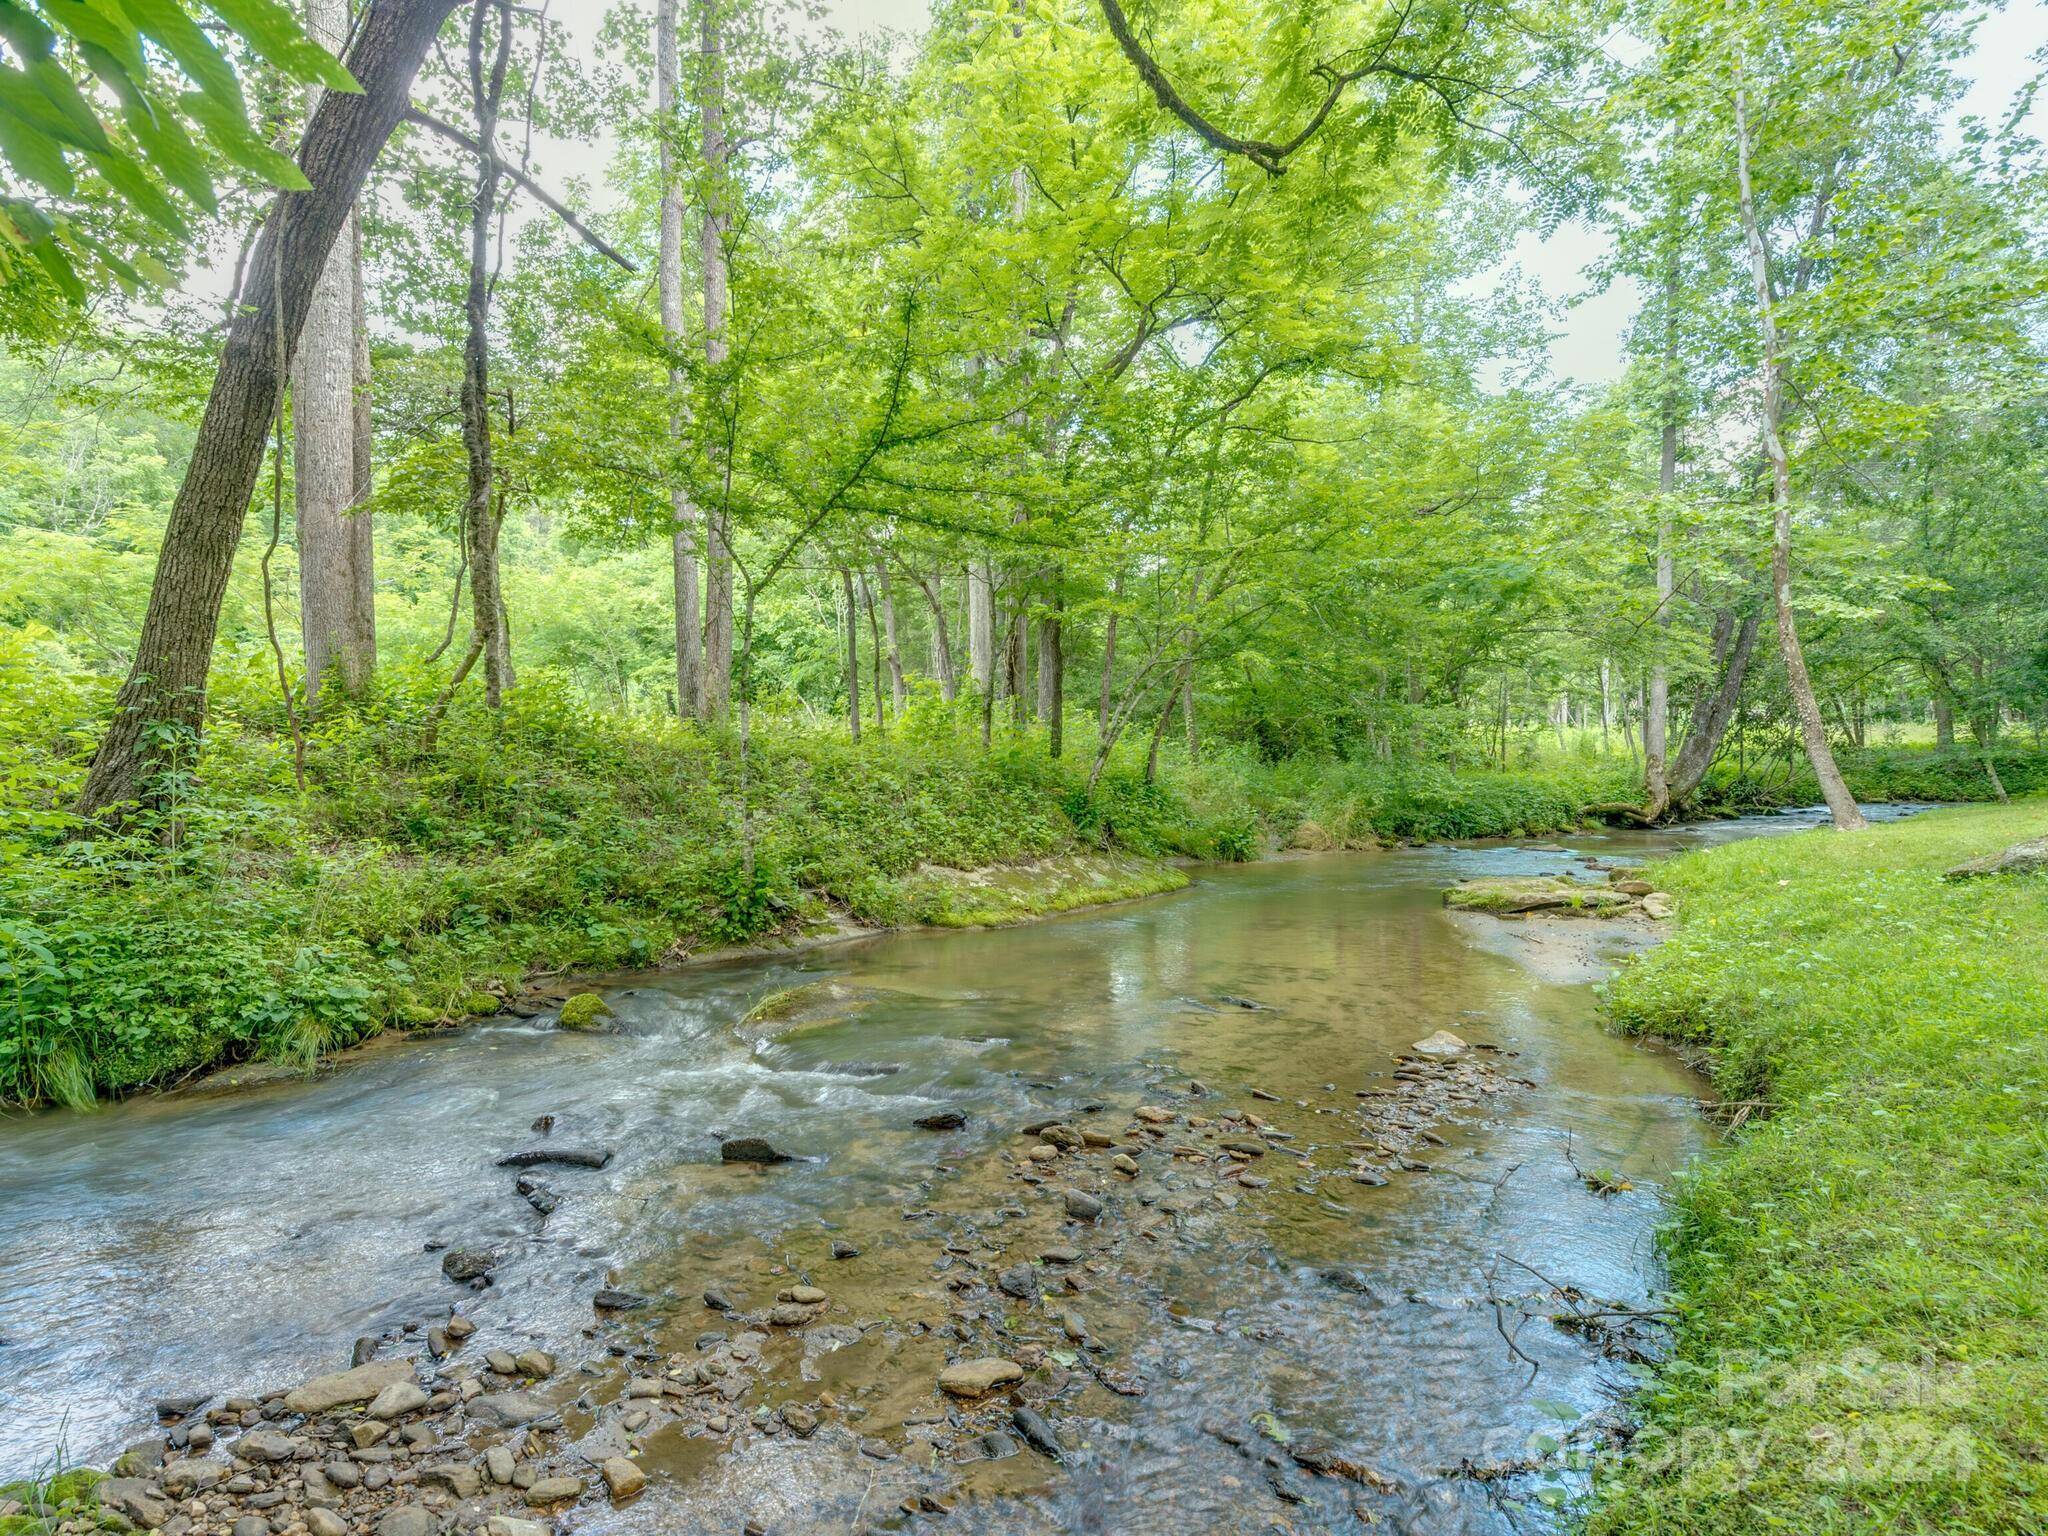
1862,1273
111,113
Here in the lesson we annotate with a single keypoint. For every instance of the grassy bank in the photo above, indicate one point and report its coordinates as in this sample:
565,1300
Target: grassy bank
411,883
1863,1270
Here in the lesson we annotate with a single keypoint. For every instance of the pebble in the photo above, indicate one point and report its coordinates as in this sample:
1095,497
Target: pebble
1125,1164
407,1520
842,1249
325,1522
401,1397
498,1464
1082,1206
554,1490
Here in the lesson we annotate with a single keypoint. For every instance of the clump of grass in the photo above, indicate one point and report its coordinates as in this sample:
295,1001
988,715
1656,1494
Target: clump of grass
1861,1274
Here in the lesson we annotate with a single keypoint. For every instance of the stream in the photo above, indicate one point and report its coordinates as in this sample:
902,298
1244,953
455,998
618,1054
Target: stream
244,1241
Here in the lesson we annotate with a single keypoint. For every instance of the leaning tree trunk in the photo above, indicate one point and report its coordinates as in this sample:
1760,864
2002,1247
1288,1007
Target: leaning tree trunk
683,535
1713,713
717,226
484,510
337,616
164,696
1812,727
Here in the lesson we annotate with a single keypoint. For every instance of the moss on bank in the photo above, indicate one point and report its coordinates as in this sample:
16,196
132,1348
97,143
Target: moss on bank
1862,1271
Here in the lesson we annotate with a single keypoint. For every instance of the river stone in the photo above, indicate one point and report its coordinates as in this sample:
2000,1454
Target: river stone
568,1157
1511,895
1442,1046
463,1265
407,1520
1633,885
401,1397
803,1295
622,1477
799,1420
136,1499
749,1149
978,1378
508,1410
842,1249
554,1490
944,1120
266,1445
498,1464
325,1522
789,1314
508,1525
584,1011
1659,905
1082,1206
1125,1164
1020,1281
461,1481
609,1300
139,1460
1152,1114
1037,1432
178,1405
352,1386
252,1525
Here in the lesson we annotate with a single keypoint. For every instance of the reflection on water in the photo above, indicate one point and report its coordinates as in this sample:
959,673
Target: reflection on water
244,1242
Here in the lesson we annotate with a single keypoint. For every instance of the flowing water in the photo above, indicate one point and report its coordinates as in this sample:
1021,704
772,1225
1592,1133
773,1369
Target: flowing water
244,1241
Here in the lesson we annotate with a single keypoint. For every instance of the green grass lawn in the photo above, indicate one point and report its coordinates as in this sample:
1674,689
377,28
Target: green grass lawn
1862,1271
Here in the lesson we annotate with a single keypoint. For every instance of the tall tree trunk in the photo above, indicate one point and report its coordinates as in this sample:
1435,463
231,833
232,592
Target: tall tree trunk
165,691
485,509
337,619
1052,673
1187,701
898,692
934,591
852,655
682,535
1712,713
1116,592
1606,705
1944,723
981,626
867,602
1841,804
717,227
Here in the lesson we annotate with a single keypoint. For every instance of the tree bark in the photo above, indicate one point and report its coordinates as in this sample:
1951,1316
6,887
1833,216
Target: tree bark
683,535
1116,592
164,695
485,509
717,226
337,617
1052,673
1841,804
1944,723
852,655
1712,713
981,627
898,691
942,642
867,603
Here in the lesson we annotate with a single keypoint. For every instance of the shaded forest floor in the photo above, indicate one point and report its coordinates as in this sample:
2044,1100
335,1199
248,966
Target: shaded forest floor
1862,1273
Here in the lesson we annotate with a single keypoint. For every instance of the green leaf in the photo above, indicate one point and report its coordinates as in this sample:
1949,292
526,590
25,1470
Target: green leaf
274,32
166,23
171,150
126,177
35,156
229,133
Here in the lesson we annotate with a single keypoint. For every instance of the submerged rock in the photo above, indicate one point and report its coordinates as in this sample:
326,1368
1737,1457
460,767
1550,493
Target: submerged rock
749,1149
572,1157
464,1265
1443,1045
978,1378
944,1120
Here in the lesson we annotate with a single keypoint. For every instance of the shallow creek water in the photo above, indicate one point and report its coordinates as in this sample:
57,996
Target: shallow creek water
241,1242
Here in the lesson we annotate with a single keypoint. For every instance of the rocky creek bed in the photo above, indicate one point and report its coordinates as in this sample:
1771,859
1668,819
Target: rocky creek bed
1280,1204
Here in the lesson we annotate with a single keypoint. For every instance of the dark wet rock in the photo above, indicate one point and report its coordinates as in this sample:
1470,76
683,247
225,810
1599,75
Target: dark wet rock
944,1120
1287,1484
1260,1093
1037,1432
542,1124
1249,1146
538,1195
997,1446
609,1300
864,1068
464,1265
718,1300
178,1404
568,1157
842,1249
799,1420
1020,1281
749,1149
1246,1003
363,1351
